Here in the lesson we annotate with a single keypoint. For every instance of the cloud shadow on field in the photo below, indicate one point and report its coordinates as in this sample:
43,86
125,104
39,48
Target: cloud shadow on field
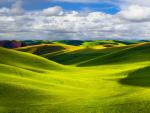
140,77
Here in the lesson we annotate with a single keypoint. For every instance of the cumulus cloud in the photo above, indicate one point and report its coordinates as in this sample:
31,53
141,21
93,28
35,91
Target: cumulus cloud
16,9
53,11
54,23
134,2
136,13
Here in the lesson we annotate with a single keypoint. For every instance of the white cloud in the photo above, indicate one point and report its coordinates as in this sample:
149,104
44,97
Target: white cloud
16,8
136,13
4,11
132,22
135,2
53,11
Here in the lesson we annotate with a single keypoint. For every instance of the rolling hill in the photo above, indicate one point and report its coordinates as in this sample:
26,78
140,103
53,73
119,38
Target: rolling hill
26,60
42,48
111,80
77,56
134,53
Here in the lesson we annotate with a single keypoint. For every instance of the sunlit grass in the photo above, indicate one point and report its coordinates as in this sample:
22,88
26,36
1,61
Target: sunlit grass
32,84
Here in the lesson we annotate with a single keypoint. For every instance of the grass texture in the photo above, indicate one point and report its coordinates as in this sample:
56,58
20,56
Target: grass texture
111,80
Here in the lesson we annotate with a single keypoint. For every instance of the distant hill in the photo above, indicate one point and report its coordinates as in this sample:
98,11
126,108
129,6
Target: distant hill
44,48
41,49
35,42
99,42
18,43
11,44
87,43
70,42
80,55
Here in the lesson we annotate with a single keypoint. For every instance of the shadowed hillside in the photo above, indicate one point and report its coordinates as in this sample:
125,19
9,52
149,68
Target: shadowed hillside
135,53
71,55
10,44
78,56
42,48
140,77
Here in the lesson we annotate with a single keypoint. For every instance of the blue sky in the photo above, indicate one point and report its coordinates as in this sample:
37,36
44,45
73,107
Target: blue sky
107,7
102,6
74,19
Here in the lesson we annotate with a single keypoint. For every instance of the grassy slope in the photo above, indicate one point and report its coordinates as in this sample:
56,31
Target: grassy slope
97,89
135,53
78,56
43,48
26,60
67,54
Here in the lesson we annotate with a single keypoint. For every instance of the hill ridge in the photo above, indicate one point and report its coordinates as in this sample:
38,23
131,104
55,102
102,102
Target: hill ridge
134,49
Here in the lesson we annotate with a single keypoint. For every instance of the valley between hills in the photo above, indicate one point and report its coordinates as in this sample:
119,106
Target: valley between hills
60,78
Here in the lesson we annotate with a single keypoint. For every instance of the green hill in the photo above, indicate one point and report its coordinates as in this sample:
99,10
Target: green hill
139,77
27,80
26,60
78,56
42,48
134,53
32,84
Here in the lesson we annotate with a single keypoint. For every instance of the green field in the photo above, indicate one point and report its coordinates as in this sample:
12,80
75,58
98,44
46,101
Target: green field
82,80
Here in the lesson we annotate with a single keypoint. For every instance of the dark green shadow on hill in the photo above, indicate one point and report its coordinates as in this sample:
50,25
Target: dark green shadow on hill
139,77
131,54
46,49
69,58
79,56
41,49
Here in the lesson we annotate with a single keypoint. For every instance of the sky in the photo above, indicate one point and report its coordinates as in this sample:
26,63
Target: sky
74,19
